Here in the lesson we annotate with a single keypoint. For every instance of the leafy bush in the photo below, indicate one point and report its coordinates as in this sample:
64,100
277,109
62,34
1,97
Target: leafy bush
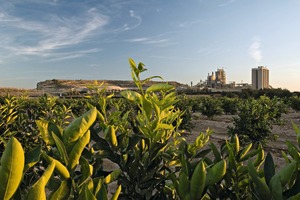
294,102
210,107
255,119
230,105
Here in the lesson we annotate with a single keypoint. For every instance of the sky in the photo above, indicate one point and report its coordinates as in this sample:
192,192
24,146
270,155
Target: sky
180,40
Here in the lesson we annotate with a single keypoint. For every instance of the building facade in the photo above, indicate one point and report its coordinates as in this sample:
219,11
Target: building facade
260,78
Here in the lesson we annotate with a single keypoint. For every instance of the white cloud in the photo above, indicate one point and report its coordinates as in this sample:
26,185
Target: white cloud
255,50
138,40
46,38
132,14
149,40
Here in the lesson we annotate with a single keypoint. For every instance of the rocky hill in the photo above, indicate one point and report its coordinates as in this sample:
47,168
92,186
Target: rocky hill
56,86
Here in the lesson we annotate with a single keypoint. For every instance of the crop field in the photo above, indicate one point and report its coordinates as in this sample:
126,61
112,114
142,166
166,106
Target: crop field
150,144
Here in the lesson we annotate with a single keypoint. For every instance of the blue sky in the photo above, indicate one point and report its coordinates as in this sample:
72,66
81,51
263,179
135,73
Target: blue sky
180,40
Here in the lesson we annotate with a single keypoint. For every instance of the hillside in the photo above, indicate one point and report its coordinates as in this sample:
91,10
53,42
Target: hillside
56,86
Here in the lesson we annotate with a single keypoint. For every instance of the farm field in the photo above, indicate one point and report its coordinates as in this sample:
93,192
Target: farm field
220,123
131,146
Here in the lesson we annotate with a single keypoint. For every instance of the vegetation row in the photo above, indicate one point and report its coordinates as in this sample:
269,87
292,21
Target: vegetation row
55,149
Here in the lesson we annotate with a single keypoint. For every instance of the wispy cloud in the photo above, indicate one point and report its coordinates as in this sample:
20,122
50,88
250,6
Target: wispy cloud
70,55
138,22
207,50
28,36
255,50
172,57
150,40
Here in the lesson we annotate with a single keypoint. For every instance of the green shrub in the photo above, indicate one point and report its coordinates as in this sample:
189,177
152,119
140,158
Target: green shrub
294,102
210,107
256,118
230,105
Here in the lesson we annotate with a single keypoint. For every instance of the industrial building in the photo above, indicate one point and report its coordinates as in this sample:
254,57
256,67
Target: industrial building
260,78
217,79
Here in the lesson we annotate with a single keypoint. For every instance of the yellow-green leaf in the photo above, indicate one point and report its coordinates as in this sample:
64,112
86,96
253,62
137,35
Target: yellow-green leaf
37,191
198,181
159,87
59,167
112,176
11,168
77,150
79,127
216,172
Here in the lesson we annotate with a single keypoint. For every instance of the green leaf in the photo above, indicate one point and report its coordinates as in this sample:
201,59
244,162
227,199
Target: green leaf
261,186
86,169
141,67
293,151
102,192
159,87
78,127
294,190
250,154
77,150
216,172
215,151
132,96
287,172
60,168
11,168
276,187
112,176
133,67
183,185
244,152
32,157
297,131
269,168
61,192
110,136
236,143
147,107
185,165
89,194
202,153
150,78
260,157
37,192
164,126
117,193
43,128
198,181
295,197
61,148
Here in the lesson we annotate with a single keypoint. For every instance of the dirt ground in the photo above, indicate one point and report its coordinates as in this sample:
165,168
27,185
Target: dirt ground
220,123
